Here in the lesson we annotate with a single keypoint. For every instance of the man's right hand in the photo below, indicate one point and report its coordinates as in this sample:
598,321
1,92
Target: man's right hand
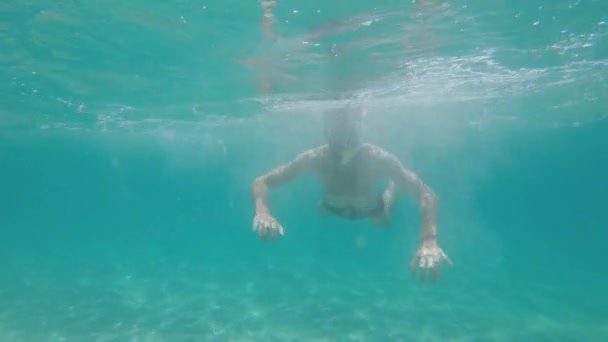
265,225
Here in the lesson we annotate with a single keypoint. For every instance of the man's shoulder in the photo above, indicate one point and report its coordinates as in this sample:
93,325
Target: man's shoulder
313,153
376,151
382,159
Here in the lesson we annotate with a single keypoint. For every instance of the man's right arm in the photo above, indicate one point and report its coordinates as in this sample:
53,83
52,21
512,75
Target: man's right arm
305,162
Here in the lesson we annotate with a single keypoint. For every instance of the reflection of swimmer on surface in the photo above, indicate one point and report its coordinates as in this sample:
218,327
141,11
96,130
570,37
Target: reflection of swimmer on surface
268,20
348,169
274,51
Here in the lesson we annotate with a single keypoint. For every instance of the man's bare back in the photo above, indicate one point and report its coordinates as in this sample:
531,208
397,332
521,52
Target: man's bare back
350,172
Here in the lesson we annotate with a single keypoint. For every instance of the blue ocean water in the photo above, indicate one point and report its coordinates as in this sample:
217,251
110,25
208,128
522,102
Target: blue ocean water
131,132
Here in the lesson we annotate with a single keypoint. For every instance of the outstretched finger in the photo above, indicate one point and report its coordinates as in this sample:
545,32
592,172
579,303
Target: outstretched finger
262,232
281,231
447,259
256,223
425,262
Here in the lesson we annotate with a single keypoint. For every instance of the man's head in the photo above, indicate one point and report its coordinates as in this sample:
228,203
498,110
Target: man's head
344,129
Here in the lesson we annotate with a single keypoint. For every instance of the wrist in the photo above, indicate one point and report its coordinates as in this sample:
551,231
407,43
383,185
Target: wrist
262,210
429,240
430,234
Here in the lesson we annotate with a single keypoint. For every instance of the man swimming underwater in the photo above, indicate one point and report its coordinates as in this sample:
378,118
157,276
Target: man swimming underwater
348,169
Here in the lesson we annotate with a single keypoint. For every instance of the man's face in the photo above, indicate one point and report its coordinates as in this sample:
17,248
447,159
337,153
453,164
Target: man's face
343,133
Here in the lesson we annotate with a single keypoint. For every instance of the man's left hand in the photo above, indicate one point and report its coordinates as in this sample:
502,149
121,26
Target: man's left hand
429,257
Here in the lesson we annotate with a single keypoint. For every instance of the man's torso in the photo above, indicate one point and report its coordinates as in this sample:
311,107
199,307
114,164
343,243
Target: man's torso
351,187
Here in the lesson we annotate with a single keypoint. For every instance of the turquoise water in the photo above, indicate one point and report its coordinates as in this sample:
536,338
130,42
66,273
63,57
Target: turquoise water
130,134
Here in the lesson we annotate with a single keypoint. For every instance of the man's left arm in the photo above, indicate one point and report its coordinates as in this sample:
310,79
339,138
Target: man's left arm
429,254
411,183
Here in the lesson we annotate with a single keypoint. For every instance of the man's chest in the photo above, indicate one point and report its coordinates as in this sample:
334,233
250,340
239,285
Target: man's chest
353,178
